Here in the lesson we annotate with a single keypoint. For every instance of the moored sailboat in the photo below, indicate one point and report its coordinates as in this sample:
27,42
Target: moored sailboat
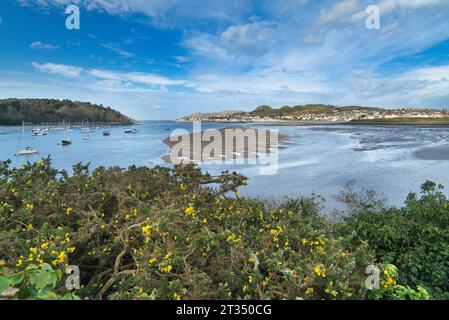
28,151
131,130
65,141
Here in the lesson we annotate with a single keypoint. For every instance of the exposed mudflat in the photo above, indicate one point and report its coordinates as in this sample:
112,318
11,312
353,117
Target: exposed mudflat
203,152
433,153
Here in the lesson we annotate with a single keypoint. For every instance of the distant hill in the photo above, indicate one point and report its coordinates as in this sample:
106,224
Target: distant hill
268,111
14,111
323,113
203,115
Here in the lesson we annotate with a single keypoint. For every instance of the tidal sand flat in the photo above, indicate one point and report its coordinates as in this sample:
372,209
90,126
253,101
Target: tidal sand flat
433,153
224,144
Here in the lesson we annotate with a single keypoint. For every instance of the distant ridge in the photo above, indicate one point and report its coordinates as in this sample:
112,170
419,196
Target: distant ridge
222,114
14,111
265,110
323,113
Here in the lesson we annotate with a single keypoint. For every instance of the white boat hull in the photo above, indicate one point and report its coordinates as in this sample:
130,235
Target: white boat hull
27,152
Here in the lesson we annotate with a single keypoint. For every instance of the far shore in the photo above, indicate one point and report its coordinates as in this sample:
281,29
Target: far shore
400,122
71,123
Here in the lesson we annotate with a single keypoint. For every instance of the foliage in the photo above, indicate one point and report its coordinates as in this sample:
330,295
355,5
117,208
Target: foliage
35,282
390,289
14,111
160,233
414,238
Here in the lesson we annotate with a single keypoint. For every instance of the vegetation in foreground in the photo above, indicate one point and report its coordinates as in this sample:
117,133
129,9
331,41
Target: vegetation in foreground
14,111
159,233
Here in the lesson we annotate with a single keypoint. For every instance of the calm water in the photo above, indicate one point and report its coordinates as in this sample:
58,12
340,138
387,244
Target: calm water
393,160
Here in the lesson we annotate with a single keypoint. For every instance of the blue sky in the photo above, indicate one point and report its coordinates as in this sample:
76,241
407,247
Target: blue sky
163,59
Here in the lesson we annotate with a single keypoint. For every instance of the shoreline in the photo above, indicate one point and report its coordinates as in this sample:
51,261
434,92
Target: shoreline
78,123
317,123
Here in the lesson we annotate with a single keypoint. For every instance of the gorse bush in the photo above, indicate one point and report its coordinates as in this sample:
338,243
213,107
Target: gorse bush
160,233
414,238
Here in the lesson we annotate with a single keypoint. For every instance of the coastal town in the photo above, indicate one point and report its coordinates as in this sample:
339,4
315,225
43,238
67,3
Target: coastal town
325,114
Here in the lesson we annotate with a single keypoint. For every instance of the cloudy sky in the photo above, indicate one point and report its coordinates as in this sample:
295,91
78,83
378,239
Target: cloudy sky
162,59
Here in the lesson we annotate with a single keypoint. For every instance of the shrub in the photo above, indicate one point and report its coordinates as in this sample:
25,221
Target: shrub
160,233
414,238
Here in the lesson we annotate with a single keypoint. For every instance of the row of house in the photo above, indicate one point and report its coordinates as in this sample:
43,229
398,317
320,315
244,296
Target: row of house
336,115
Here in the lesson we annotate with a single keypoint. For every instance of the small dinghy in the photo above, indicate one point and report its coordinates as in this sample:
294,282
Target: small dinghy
66,142
28,151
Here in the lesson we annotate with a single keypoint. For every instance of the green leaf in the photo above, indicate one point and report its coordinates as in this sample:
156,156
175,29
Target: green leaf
16,278
5,283
44,279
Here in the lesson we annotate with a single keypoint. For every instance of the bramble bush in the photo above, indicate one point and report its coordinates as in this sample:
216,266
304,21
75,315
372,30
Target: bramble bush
179,233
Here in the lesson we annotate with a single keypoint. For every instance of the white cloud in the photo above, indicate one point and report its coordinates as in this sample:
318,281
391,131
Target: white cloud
387,5
342,9
162,13
182,59
59,69
419,87
136,77
254,38
237,46
111,79
38,45
259,82
116,48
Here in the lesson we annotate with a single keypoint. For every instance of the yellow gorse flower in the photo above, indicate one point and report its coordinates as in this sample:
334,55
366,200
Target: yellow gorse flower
147,230
19,262
319,272
166,269
331,292
62,257
190,210
233,238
